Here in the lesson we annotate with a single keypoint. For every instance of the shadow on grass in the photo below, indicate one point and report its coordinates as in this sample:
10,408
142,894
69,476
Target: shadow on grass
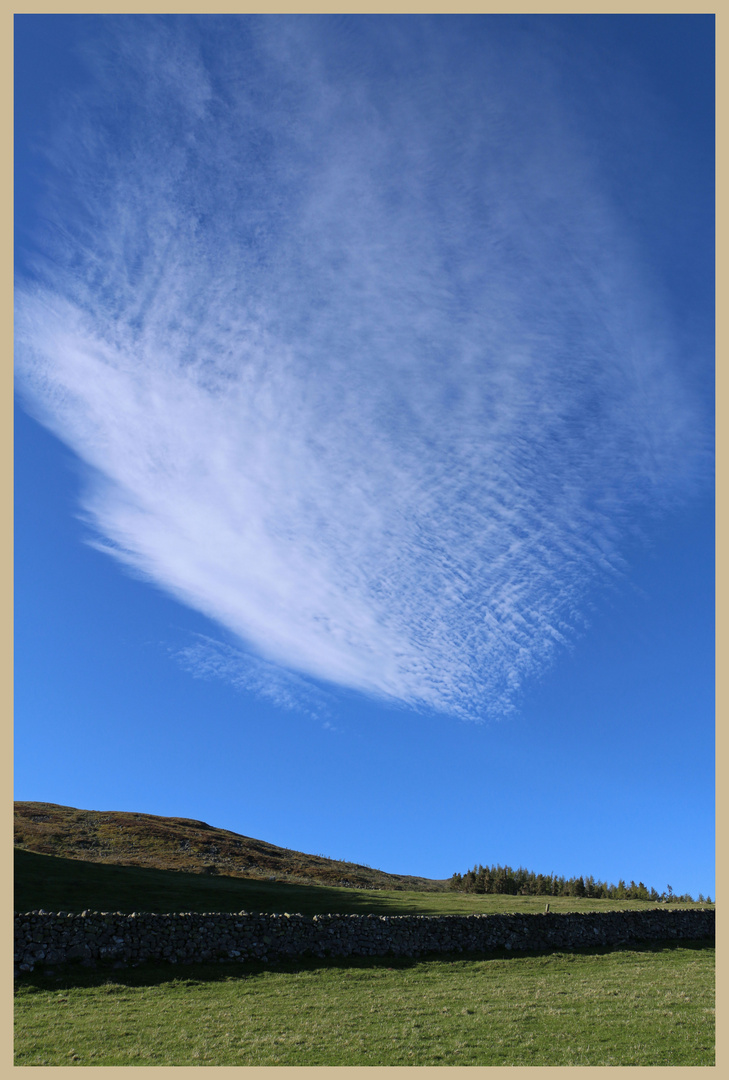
59,884
55,883
77,975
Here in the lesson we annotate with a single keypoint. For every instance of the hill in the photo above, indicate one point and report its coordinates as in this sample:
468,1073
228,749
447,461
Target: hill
57,884
170,843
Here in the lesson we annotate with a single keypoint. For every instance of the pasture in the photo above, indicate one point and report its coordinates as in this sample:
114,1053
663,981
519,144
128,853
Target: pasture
645,1007
61,884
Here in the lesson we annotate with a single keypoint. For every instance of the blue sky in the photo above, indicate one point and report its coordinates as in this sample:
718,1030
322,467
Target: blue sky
364,433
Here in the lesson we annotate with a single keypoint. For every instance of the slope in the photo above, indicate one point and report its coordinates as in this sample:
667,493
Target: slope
171,843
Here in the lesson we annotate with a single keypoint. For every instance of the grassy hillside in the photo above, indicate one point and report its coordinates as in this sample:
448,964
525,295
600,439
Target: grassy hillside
71,860
57,884
169,843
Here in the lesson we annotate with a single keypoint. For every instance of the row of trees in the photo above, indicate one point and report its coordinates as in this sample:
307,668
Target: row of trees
521,882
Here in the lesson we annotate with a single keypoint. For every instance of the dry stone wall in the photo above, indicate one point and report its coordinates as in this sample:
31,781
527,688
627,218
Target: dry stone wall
49,939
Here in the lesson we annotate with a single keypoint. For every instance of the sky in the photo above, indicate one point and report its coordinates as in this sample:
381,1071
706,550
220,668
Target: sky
364,433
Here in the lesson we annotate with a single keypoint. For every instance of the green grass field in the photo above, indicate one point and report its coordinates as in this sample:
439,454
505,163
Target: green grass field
648,1006
56,884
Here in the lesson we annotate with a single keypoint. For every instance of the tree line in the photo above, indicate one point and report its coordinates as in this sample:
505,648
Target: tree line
507,881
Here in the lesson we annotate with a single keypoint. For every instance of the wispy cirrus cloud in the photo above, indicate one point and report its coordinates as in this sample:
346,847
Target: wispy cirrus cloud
207,658
362,359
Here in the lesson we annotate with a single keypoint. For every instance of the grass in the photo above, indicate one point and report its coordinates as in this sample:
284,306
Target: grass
649,1006
59,884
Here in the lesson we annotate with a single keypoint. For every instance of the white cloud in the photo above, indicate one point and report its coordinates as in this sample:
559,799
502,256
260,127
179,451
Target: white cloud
367,372
207,658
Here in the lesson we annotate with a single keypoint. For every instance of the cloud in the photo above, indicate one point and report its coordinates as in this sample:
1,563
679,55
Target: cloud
207,658
364,363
